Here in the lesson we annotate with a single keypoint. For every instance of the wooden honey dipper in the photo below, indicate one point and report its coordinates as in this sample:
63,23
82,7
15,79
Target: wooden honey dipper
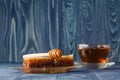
55,54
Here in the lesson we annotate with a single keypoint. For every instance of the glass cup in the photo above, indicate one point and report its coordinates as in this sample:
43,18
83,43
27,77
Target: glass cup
93,56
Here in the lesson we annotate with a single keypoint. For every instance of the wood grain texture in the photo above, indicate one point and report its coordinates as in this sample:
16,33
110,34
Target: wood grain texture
29,26
7,72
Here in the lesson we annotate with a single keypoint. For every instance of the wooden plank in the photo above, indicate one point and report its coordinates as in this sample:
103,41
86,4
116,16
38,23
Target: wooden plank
40,25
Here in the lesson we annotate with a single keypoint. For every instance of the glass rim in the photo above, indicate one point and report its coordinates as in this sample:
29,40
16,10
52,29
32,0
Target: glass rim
93,45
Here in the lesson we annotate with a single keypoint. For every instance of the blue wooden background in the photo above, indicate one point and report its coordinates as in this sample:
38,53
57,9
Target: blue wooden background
28,26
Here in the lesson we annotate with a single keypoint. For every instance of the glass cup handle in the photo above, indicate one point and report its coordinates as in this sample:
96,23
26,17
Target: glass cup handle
113,53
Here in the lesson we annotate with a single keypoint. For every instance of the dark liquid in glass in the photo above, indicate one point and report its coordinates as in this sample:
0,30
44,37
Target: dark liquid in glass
93,55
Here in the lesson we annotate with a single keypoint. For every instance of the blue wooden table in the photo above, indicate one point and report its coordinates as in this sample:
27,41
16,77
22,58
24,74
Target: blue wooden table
110,73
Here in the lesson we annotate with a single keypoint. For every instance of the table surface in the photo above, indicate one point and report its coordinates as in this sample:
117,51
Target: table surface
110,73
